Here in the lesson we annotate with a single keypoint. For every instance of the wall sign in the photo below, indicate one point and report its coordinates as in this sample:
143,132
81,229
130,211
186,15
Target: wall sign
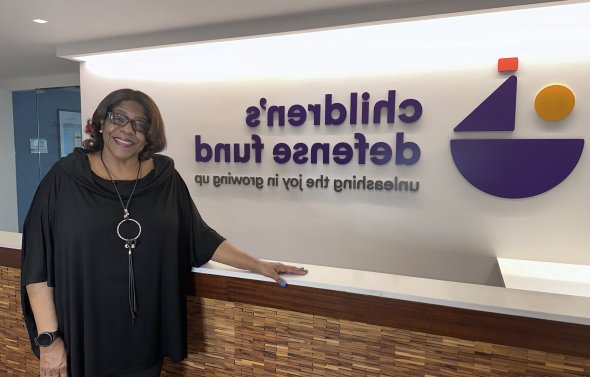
506,168
38,145
516,168
328,114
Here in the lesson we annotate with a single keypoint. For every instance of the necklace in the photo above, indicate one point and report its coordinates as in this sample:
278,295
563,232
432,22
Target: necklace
130,243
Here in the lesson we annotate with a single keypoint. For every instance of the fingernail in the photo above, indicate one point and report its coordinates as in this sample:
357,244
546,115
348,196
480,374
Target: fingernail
283,284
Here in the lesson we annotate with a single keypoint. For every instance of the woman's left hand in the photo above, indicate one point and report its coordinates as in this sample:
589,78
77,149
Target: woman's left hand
272,270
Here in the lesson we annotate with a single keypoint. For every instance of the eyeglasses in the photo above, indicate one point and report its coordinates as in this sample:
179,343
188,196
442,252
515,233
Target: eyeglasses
121,120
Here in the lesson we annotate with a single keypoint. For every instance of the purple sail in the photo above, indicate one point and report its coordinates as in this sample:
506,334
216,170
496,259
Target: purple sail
516,168
495,113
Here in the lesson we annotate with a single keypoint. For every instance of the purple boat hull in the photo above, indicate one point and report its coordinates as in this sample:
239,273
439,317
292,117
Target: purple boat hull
516,168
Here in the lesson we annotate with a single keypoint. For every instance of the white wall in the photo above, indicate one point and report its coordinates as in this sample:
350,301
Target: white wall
448,230
8,204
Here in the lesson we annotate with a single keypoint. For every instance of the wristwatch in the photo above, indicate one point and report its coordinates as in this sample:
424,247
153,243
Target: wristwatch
46,338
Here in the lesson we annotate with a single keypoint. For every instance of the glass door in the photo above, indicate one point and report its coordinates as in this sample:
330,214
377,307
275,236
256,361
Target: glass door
47,126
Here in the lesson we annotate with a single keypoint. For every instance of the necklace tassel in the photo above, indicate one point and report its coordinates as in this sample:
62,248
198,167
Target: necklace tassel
132,298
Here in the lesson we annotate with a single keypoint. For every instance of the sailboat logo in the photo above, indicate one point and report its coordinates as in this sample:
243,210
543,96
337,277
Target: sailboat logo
516,168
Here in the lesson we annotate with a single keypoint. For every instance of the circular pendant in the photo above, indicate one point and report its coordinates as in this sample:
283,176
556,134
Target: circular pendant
128,239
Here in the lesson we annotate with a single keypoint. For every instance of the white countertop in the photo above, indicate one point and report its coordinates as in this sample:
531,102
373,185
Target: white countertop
11,240
542,305
557,307
569,279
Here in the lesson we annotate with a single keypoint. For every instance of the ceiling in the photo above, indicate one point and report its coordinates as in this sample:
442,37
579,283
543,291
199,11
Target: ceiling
28,49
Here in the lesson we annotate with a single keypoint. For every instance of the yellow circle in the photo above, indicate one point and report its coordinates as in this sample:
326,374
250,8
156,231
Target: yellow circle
554,102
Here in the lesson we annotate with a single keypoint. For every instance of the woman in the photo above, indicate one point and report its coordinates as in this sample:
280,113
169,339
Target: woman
108,244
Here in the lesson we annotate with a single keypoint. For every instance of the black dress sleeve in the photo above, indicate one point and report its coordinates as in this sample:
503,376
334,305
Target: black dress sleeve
38,243
37,251
202,239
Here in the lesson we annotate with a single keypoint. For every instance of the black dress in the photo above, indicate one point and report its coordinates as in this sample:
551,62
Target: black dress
70,241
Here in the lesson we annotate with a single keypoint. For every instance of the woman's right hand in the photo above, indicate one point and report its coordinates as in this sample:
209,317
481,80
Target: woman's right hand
54,360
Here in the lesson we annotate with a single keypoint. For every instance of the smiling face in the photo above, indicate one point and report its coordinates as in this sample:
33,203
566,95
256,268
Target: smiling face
124,143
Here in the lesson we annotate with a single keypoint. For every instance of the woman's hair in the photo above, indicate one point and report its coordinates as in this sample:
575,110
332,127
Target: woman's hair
155,137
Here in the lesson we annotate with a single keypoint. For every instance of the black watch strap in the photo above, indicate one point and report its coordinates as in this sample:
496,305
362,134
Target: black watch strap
45,339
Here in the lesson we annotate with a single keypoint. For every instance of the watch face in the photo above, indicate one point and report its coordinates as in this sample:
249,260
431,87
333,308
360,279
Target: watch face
44,340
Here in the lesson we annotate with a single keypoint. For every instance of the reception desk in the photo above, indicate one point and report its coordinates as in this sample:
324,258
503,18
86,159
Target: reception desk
338,322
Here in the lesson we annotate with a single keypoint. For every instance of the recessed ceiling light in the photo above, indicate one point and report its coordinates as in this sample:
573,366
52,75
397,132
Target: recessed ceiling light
40,21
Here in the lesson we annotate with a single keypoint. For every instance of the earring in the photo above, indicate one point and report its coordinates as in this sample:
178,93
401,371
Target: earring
146,143
100,131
